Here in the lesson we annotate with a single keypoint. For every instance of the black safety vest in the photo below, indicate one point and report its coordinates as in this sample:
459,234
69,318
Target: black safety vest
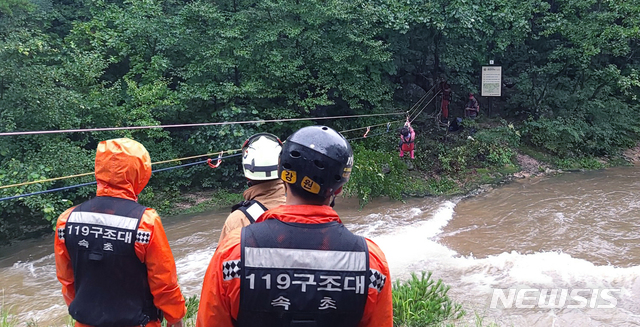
302,275
251,209
110,281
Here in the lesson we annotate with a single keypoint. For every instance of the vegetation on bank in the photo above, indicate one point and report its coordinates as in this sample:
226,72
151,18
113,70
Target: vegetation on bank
191,203
483,151
420,301
570,71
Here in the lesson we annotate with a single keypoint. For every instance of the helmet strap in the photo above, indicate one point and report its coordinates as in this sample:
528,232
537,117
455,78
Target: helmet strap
333,201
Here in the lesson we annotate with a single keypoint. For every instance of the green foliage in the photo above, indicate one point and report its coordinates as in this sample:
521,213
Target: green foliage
442,186
69,323
570,137
420,301
505,134
479,321
6,319
189,319
375,173
489,147
192,307
79,64
8,6
202,202
496,144
558,137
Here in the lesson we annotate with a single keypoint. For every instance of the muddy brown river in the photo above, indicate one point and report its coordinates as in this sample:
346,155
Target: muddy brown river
576,234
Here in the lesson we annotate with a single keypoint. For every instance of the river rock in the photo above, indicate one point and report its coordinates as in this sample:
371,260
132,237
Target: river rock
522,174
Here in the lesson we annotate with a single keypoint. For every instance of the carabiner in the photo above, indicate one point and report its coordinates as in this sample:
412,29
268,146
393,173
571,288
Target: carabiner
217,163
367,132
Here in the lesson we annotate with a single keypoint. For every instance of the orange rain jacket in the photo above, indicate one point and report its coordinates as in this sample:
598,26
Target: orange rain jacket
220,300
123,169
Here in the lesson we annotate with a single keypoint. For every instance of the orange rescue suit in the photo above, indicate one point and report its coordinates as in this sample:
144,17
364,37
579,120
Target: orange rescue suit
122,170
220,298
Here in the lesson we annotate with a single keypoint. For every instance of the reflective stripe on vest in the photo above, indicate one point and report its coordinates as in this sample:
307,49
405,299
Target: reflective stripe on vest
302,275
110,281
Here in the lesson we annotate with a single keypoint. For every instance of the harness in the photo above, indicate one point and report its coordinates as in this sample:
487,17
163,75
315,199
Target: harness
252,209
405,140
406,143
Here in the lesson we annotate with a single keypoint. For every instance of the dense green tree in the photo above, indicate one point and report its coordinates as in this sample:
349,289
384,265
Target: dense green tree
97,63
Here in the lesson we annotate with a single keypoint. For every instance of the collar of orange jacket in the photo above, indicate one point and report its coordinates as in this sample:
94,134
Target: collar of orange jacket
123,168
306,214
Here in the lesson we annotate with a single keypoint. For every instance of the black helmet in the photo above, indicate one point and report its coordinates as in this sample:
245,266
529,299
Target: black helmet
316,159
404,131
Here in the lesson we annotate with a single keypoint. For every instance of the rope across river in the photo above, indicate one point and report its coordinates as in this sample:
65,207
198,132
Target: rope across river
387,124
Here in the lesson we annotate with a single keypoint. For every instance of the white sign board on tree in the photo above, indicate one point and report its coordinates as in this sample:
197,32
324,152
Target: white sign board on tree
491,81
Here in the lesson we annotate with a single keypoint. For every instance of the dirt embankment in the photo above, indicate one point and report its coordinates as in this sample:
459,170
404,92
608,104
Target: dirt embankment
531,167
633,154
193,199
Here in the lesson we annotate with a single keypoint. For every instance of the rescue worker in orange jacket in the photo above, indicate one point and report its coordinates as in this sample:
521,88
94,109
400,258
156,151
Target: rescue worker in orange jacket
112,254
260,154
300,266
445,89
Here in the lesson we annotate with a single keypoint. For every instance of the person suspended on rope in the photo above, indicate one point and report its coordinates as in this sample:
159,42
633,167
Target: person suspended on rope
445,90
407,139
260,154
299,265
472,108
112,254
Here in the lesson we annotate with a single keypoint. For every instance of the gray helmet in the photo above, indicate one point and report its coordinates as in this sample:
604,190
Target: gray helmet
316,159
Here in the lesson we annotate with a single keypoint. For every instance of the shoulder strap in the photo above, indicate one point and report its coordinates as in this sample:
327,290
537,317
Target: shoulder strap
251,209
237,205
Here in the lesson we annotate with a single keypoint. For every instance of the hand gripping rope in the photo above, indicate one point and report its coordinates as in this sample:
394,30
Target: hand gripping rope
217,163
367,132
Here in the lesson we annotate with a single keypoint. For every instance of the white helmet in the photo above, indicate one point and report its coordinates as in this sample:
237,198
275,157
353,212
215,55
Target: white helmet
260,155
